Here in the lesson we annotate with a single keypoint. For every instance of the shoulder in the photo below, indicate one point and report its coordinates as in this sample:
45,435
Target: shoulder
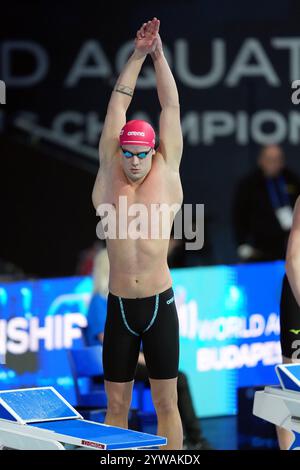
296,217
165,165
106,168
297,207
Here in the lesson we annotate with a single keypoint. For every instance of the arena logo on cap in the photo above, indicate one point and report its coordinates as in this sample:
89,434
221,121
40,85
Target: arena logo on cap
142,134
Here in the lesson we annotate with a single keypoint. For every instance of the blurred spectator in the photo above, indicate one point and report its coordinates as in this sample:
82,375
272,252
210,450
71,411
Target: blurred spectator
94,332
10,272
263,208
96,315
86,258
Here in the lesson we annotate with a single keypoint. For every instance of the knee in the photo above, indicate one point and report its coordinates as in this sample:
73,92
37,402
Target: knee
165,405
118,405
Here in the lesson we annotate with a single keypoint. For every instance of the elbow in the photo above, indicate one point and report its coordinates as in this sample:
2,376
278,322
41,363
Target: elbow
172,104
118,104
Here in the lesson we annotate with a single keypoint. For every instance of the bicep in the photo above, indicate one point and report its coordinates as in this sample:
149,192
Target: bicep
115,119
170,135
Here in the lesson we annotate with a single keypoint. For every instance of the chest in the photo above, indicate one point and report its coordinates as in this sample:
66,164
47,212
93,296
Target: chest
156,189
148,208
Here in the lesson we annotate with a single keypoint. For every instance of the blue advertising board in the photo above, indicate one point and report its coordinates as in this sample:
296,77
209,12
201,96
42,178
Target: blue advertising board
229,331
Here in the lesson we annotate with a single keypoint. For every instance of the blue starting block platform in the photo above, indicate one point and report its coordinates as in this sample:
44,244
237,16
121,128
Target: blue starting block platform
280,404
41,419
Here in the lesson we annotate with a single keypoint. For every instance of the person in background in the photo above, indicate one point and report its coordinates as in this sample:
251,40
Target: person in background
96,315
86,258
262,208
290,310
94,333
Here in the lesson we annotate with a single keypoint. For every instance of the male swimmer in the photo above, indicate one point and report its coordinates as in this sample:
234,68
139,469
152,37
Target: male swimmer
290,310
141,307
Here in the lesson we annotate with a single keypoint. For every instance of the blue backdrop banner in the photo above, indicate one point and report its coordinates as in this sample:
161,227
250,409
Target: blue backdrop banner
229,331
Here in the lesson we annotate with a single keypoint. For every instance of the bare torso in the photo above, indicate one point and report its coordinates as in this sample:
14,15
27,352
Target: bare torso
138,267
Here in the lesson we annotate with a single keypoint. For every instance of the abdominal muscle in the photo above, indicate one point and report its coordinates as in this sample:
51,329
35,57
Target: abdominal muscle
138,268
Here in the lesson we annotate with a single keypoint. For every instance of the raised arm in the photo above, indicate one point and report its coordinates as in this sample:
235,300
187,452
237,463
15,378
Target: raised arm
170,133
122,95
293,254
118,104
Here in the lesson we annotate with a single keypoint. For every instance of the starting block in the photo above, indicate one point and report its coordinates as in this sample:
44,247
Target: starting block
280,404
41,419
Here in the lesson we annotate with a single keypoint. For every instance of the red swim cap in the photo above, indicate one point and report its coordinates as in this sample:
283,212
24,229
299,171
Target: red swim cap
137,132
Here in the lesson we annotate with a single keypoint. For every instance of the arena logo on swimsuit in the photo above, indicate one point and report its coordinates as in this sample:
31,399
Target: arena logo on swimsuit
19,335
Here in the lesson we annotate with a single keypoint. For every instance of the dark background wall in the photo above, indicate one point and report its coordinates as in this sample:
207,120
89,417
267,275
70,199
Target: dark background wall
51,123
